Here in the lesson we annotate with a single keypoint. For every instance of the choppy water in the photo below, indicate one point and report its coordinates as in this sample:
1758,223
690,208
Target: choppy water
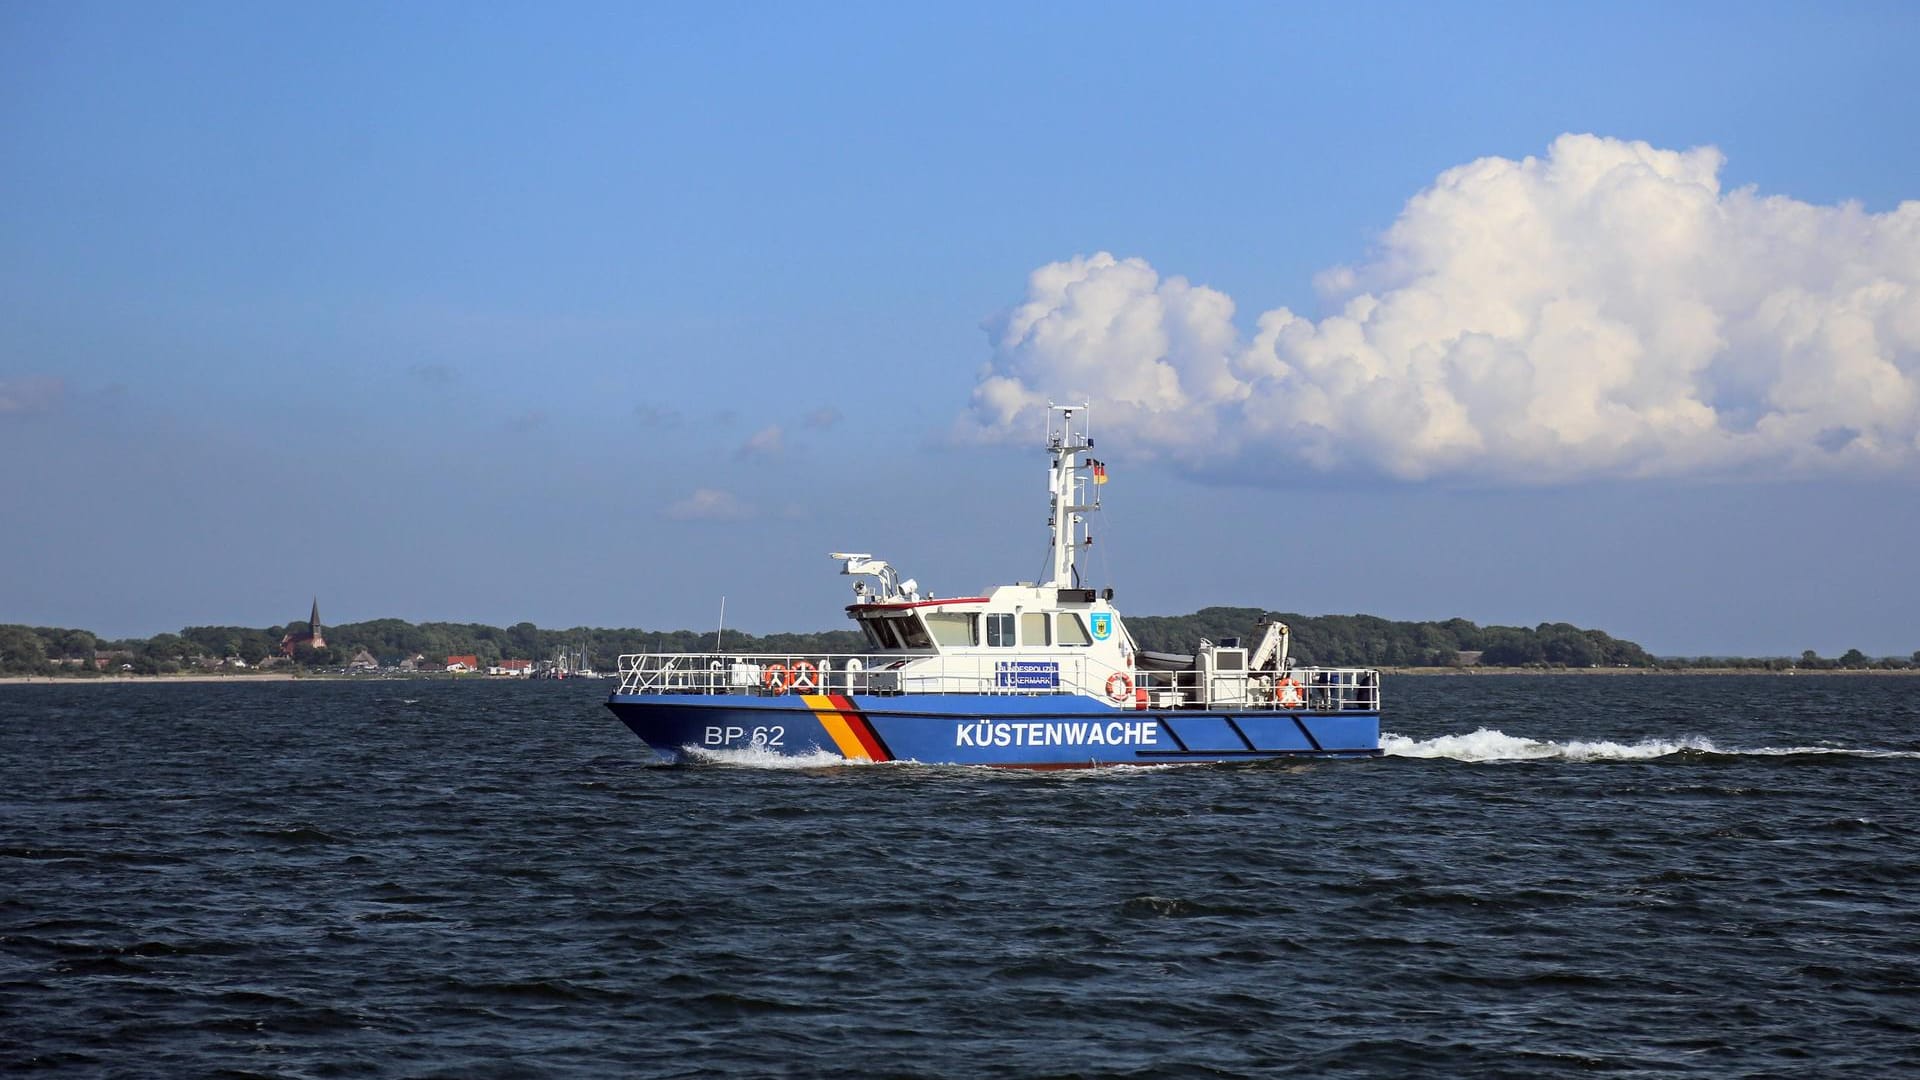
1634,876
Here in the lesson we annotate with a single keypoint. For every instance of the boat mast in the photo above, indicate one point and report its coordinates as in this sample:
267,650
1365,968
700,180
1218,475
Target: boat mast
1066,441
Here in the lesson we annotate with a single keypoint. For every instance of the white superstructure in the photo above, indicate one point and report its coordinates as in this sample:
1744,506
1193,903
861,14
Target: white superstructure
1057,636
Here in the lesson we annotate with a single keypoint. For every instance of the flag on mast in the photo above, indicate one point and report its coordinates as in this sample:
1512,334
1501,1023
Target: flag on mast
1099,471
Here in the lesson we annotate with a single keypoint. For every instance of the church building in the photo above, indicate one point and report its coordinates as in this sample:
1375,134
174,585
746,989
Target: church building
312,637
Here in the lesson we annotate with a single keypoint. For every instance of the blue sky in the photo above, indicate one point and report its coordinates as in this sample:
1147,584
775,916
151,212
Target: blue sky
594,314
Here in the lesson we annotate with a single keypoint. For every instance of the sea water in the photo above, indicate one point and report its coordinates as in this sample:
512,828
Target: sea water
1642,876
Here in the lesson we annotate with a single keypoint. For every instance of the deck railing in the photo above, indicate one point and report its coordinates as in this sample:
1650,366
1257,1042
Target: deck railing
1009,673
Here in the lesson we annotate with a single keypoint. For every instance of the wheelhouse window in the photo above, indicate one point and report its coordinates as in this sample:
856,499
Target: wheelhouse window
1000,630
913,634
953,628
881,632
896,632
1033,628
1072,630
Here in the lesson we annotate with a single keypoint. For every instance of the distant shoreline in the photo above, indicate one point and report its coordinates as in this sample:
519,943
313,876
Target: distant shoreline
262,677
109,680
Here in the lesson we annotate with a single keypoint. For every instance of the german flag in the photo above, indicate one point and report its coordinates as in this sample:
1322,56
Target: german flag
1099,471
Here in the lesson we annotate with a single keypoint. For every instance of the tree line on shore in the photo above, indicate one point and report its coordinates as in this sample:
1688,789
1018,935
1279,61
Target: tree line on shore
1327,640
27,650
1369,641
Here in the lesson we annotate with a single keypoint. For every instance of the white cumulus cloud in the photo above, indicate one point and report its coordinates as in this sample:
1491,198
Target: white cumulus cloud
1604,310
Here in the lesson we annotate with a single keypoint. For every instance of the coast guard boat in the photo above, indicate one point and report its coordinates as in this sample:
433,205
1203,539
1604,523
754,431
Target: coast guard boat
1041,674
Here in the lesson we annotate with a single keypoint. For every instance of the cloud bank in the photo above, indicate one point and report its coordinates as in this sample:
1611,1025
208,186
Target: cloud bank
1603,311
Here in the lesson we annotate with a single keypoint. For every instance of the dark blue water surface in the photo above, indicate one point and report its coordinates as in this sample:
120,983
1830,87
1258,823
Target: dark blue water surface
1636,876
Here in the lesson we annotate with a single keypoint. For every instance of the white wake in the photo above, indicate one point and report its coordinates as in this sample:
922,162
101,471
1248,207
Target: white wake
1489,744
757,757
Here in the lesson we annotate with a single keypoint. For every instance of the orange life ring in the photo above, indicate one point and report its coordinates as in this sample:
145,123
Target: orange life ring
1287,694
1119,687
776,678
806,676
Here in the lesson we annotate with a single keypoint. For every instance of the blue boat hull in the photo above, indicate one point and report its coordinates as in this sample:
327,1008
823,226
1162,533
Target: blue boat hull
1049,731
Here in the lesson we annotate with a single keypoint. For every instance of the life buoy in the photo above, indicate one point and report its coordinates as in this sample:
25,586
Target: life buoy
1288,694
1119,687
806,676
776,678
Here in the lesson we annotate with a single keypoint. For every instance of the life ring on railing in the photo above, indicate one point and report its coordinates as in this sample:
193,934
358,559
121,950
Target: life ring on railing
1287,694
806,676
1119,687
776,678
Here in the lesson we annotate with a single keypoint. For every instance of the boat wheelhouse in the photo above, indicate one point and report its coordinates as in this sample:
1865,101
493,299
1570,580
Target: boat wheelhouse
1039,674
